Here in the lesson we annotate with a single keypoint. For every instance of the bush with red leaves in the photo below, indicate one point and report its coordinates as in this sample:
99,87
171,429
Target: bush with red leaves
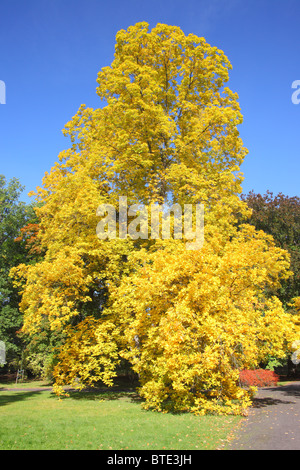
258,378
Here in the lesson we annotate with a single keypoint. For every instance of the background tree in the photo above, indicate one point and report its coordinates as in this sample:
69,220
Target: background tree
279,216
14,215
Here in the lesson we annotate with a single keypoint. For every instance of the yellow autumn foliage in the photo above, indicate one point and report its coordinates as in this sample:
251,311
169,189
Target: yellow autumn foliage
191,320
90,355
185,320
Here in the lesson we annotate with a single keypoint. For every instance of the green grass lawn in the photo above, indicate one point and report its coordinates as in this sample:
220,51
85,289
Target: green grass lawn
38,420
26,384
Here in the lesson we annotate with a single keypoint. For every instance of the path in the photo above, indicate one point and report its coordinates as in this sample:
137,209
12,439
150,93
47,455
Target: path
273,422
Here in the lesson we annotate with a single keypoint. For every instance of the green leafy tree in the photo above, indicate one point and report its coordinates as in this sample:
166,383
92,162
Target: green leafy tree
279,216
14,215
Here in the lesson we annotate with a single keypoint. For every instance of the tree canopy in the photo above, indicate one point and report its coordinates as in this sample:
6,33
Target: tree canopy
167,132
14,215
279,216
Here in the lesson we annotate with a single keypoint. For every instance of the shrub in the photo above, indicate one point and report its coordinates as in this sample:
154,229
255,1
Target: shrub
258,378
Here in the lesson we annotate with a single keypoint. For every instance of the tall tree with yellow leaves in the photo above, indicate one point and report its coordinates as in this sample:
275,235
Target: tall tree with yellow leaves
166,134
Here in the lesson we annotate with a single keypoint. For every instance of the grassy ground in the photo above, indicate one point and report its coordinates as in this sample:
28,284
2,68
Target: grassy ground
88,420
25,384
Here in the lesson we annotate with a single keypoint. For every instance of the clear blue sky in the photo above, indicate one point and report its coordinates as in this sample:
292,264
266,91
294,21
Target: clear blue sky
52,50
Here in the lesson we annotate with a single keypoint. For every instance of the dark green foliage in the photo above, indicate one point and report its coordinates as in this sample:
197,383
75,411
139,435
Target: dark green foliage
13,216
279,216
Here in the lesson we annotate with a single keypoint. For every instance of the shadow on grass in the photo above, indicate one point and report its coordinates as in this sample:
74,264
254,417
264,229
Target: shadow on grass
122,389
109,395
106,395
10,397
